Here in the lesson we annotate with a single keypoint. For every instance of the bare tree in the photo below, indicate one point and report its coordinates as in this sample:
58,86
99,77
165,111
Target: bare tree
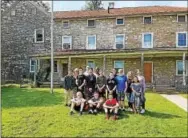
93,5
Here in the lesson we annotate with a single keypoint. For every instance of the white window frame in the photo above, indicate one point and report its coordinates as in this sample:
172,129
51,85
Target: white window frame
36,35
120,24
186,65
68,23
63,42
123,40
148,16
92,61
123,64
143,34
182,15
37,62
177,39
87,46
89,20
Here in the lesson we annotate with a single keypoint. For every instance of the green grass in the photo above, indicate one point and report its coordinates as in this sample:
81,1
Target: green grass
184,95
35,112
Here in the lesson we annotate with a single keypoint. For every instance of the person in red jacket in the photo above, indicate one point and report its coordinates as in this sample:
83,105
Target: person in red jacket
111,106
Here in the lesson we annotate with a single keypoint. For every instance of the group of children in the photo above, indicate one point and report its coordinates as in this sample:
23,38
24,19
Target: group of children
93,92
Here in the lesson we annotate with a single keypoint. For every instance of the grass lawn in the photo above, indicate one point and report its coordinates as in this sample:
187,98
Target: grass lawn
30,112
184,95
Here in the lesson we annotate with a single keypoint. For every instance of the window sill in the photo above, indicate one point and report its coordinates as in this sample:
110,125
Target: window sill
91,26
38,42
120,24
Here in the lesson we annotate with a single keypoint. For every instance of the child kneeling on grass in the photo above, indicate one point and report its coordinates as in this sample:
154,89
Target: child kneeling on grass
111,105
95,104
77,103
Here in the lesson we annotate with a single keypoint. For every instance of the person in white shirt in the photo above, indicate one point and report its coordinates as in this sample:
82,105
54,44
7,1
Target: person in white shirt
77,103
86,73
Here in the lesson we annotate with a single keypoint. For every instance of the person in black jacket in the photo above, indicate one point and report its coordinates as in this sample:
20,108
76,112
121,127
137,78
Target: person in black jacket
90,84
69,86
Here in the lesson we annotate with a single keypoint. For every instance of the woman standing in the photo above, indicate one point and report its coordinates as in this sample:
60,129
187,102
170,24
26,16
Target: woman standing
143,88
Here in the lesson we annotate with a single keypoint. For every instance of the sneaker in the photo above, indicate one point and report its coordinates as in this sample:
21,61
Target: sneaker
114,117
71,112
80,113
90,111
95,111
142,111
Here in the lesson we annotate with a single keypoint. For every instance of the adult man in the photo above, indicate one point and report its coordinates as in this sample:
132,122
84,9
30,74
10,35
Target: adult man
101,84
80,81
111,85
121,88
90,84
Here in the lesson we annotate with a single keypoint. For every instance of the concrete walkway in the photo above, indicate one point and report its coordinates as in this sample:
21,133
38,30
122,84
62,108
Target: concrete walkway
178,100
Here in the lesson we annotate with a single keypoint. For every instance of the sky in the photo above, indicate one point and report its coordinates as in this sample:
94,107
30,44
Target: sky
77,5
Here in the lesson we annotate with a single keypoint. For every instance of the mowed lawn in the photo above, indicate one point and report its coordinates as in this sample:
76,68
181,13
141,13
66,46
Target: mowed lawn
184,95
34,112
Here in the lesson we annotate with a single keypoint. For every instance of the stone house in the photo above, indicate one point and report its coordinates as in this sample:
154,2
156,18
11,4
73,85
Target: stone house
21,23
152,39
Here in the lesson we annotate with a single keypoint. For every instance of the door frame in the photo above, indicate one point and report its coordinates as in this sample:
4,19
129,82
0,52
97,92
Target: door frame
151,69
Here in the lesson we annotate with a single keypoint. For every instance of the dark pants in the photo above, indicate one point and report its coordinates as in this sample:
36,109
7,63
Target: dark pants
47,74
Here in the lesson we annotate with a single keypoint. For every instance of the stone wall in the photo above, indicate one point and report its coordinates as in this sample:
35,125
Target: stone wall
163,27
18,39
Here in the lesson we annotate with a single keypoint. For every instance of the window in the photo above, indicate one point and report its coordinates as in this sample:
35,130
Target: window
118,64
179,67
66,42
13,13
181,18
91,23
91,42
65,24
33,64
55,66
148,20
91,64
39,35
147,40
181,39
120,21
119,41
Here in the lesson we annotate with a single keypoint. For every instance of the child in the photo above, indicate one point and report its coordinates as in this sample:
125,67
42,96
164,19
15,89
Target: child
95,104
77,103
101,83
121,88
136,88
111,105
69,85
80,81
111,85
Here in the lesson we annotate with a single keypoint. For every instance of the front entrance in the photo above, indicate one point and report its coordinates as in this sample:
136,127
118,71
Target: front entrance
148,71
64,69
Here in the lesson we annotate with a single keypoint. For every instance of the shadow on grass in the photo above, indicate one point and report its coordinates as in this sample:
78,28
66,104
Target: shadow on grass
17,97
160,115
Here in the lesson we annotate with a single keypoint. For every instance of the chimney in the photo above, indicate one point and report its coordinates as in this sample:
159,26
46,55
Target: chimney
111,5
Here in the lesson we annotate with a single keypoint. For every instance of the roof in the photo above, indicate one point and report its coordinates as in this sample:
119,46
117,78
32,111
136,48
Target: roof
118,12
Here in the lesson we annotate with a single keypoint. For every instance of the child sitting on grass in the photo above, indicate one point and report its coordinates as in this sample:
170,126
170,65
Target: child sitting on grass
77,103
95,104
111,105
136,88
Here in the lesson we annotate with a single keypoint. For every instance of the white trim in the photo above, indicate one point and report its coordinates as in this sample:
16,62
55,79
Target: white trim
68,23
123,40
186,64
123,64
63,41
57,66
94,22
148,16
182,15
120,18
143,39
151,70
177,39
42,35
87,41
